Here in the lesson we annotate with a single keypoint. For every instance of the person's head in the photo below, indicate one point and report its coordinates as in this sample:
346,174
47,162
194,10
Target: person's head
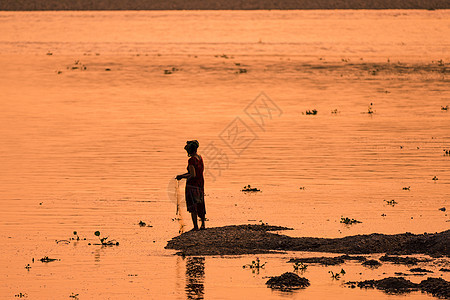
191,147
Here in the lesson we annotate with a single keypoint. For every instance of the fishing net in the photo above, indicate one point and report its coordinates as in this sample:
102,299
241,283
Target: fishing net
175,193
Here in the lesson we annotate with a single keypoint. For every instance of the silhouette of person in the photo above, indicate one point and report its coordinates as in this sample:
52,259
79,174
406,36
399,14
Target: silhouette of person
194,192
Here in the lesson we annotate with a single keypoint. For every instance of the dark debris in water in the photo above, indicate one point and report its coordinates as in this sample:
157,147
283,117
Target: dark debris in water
47,259
287,281
248,188
143,224
255,239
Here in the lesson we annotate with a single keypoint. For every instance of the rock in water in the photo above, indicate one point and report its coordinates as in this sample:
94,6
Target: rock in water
287,281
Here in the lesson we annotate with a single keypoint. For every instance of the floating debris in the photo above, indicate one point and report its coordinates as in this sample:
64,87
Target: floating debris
47,259
337,276
299,266
248,188
256,264
391,202
311,112
74,296
370,108
77,65
143,224
76,238
104,240
171,71
76,234
287,281
21,295
349,221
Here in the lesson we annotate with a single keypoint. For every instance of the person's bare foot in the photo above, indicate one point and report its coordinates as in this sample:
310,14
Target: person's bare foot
203,227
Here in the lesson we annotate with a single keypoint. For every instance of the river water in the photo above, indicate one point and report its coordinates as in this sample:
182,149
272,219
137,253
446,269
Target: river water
96,108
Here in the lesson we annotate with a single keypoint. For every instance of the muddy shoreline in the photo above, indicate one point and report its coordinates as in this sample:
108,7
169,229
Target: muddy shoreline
220,5
257,239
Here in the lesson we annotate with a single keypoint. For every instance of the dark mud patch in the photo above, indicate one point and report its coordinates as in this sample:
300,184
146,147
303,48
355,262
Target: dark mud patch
409,274
403,260
436,286
420,270
255,239
390,285
397,285
327,261
287,281
372,263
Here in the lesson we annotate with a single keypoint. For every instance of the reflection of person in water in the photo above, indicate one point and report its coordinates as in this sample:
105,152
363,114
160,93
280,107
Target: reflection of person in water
195,273
195,193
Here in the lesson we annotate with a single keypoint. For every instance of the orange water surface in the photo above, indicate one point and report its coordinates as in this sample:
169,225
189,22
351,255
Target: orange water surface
95,109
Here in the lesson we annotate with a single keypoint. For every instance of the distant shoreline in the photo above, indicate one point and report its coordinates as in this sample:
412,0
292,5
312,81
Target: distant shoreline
52,5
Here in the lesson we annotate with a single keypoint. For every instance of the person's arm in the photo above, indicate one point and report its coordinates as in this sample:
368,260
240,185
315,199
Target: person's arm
187,175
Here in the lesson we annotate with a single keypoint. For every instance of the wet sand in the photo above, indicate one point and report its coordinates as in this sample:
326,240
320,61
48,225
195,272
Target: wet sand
255,239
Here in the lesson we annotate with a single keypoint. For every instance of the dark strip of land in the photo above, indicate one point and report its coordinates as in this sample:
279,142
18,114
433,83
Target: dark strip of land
30,5
255,239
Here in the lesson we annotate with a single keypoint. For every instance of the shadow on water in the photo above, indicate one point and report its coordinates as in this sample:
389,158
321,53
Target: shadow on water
195,274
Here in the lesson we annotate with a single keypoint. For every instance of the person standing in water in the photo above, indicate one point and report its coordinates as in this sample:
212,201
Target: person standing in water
195,192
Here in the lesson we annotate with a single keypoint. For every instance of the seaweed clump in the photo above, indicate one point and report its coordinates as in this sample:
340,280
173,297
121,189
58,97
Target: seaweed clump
287,281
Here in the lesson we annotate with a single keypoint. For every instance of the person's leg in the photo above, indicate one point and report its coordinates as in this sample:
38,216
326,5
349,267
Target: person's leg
203,226
194,220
